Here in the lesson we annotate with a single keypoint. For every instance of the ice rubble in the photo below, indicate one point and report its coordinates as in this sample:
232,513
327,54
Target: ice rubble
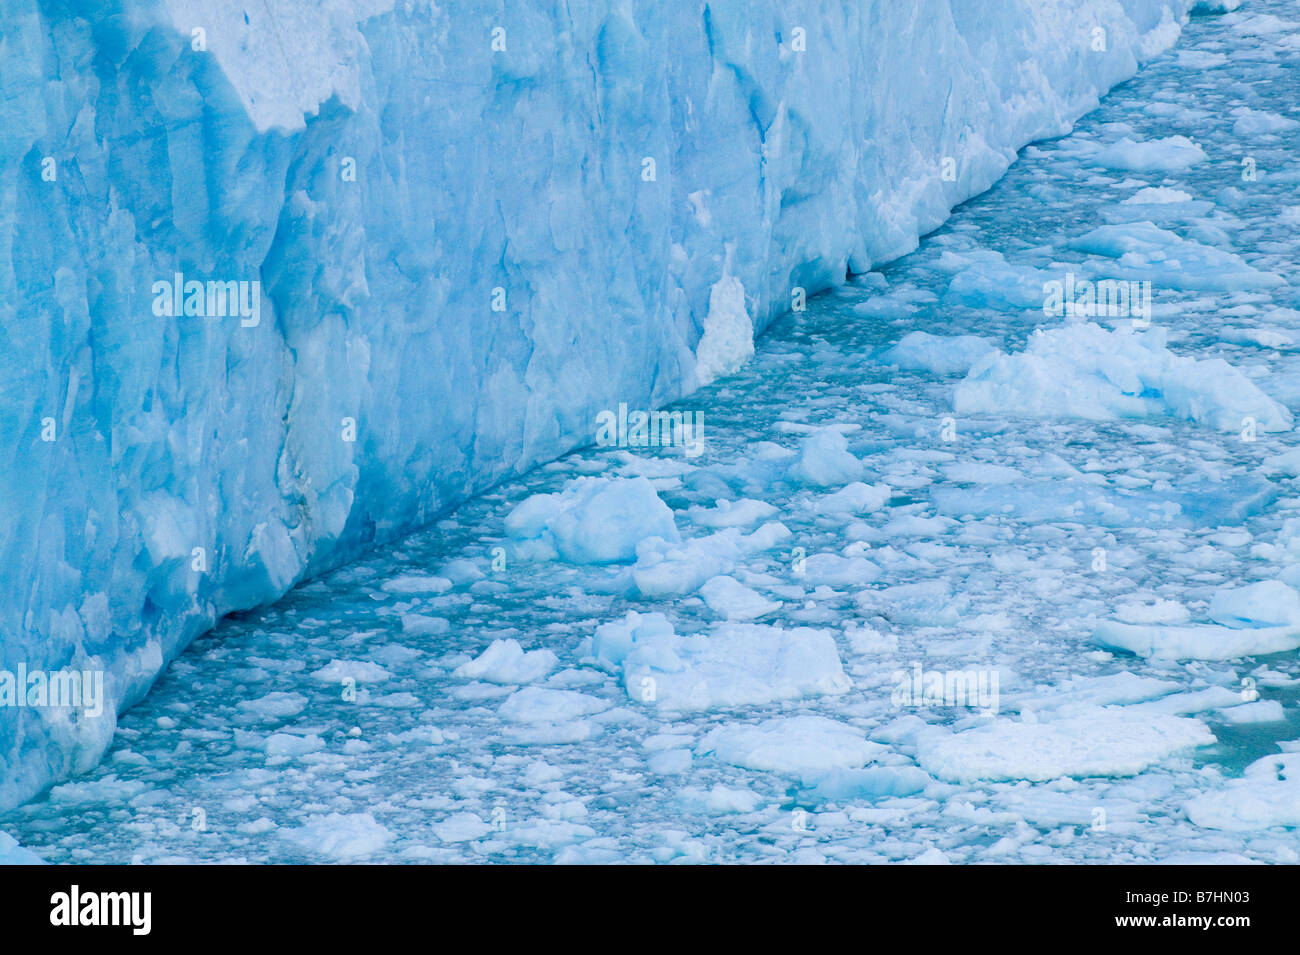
470,233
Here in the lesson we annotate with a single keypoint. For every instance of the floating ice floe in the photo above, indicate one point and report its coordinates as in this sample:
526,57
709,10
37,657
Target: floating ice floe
665,568
1087,371
1254,620
1267,795
592,521
730,664
825,461
731,599
340,836
1171,154
1145,252
743,513
940,354
506,661
1102,741
795,745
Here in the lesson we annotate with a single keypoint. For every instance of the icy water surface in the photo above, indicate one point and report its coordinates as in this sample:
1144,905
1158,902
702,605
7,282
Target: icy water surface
330,726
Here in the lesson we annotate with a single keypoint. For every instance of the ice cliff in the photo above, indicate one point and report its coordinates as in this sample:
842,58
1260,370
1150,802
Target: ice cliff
444,238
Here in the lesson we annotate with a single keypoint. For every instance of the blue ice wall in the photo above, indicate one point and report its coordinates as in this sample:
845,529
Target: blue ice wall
473,227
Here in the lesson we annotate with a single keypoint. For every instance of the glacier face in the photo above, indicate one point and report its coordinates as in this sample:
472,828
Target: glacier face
465,231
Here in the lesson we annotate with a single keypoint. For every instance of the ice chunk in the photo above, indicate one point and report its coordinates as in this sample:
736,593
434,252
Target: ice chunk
1105,741
731,664
824,460
1145,252
593,520
940,354
1267,795
340,836
855,498
1171,154
1268,603
664,568
794,745
535,704
1195,642
505,661
1087,371
728,339
1257,122
731,599
1261,711
742,513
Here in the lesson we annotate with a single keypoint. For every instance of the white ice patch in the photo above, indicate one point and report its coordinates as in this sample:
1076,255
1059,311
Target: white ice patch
505,661
1171,154
1102,741
731,664
1087,371
794,745
592,521
1195,642
340,836
1145,252
1267,795
664,568
731,599
825,461
728,339
938,354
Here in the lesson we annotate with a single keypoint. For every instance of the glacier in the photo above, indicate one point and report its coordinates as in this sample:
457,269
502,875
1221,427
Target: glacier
461,231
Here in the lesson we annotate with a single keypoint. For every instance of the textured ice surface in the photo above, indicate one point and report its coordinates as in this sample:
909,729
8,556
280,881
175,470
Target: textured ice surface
975,568
1087,371
473,229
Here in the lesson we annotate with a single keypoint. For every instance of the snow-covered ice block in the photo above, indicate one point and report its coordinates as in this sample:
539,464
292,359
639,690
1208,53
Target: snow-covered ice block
794,745
506,661
1086,371
1105,741
592,521
1267,795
